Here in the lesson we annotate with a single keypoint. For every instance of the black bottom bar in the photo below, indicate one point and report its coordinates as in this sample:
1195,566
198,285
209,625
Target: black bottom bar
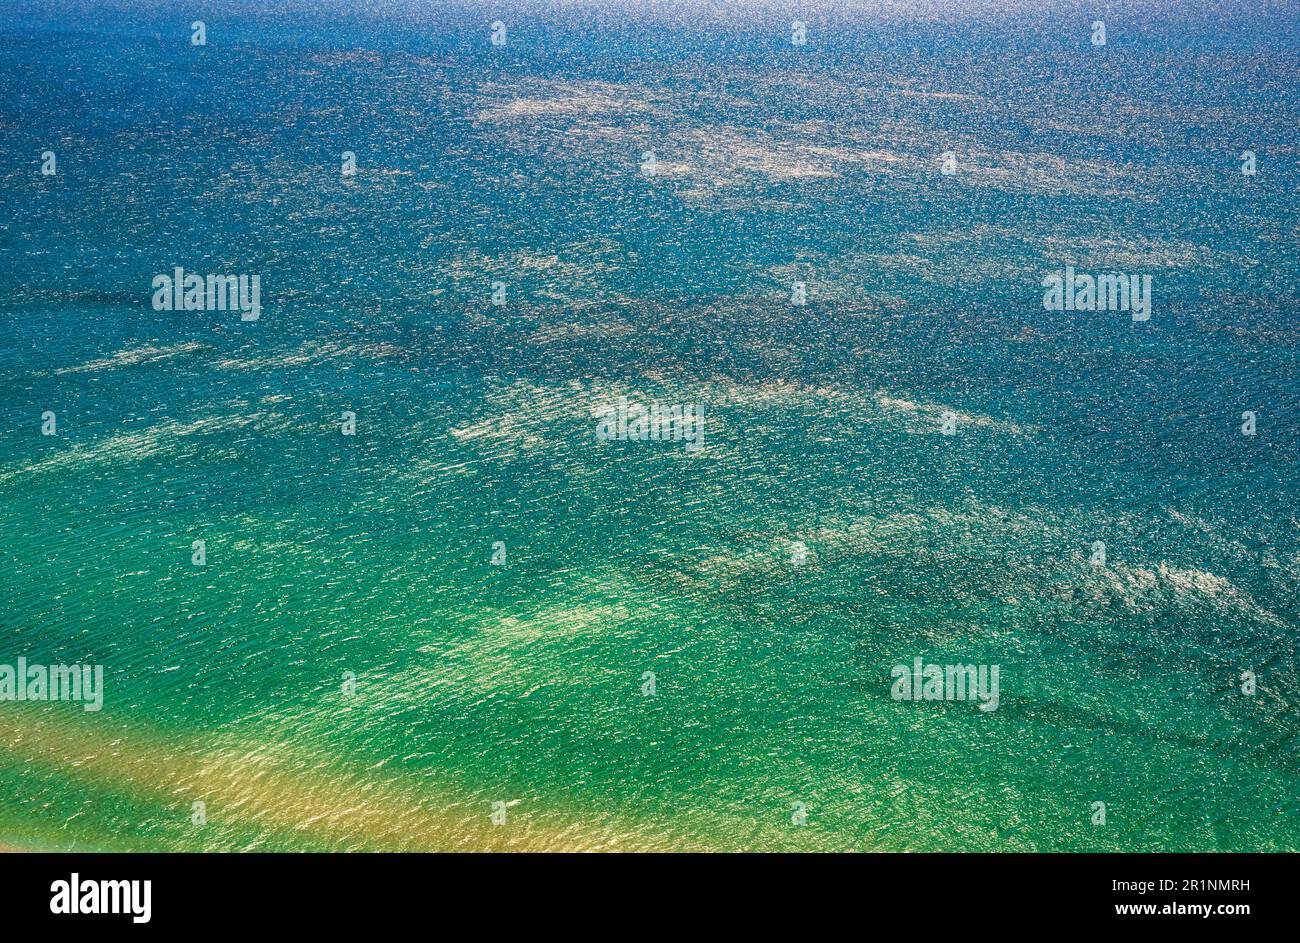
333,893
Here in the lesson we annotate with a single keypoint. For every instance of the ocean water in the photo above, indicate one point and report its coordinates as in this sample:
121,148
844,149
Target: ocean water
351,670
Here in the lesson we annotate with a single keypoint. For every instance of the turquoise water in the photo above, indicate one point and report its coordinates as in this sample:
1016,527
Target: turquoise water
522,683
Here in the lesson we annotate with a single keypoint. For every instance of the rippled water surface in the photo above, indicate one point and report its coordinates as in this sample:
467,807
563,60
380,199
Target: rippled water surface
828,530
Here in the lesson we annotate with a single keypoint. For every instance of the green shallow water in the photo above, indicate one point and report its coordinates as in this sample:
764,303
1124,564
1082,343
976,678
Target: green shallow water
333,557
